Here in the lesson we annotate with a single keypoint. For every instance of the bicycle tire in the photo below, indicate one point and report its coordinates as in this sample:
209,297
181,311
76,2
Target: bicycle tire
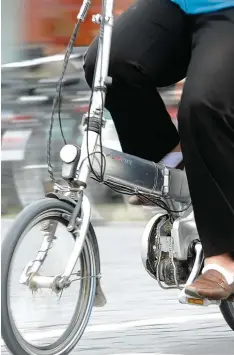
11,336
227,310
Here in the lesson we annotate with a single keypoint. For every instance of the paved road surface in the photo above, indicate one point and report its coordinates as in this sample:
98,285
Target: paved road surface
140,318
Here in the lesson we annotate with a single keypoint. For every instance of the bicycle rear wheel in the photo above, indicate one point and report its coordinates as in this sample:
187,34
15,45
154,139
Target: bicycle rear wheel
54,210
227,310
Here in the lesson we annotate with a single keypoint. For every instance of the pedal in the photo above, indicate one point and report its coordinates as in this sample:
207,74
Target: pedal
205,302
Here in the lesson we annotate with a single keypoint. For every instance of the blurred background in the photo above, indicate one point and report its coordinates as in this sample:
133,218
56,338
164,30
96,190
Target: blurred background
34,36
139,317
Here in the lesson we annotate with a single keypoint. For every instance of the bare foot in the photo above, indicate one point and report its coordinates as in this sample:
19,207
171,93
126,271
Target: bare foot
176,149
224,260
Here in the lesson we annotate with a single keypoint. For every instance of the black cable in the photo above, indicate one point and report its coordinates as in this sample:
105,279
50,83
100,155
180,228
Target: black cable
102,34
103,163
99,178
123,190
157,201
57,103
102,171
57,99
59,116
96,176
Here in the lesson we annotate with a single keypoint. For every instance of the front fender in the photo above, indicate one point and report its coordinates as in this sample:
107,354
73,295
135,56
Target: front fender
61,197
100,299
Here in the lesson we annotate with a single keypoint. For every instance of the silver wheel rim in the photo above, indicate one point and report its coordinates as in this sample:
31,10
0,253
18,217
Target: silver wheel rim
71,337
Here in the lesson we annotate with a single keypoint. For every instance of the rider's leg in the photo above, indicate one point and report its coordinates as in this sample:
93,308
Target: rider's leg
206,126
150,48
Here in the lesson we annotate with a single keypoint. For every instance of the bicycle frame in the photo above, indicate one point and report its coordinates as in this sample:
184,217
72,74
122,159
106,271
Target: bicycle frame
76,167
162,180
82,164
135,174
100,83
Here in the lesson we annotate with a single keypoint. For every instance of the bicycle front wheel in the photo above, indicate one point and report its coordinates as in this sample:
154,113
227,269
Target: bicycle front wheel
20,338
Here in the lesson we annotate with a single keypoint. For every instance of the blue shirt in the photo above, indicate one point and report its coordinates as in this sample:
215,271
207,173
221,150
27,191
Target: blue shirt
203,6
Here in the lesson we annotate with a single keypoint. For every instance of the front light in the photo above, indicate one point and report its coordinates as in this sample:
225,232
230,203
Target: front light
68,153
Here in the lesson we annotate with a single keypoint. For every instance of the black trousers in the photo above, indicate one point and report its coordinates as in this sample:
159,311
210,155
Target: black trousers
156,44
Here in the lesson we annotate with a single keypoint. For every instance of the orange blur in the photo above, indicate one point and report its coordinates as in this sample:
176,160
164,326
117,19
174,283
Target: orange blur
51,22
